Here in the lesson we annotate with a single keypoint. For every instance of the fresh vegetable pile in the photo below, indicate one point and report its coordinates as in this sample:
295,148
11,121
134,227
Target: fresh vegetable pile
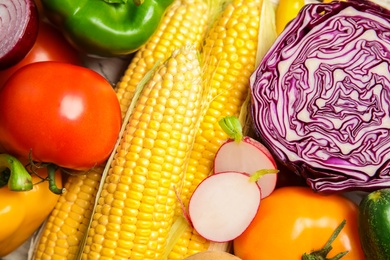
56,118
227,136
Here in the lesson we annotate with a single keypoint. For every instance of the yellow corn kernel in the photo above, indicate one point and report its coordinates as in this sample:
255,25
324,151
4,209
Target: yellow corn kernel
229,55
62,233
184,23
188,244
149,165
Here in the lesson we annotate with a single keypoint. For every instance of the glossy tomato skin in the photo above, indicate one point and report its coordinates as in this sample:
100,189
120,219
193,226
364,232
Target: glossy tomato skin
296,220
65,114
50,45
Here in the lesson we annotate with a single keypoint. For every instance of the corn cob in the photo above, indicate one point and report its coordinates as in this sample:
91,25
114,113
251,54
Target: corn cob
65,227
229,56
135,209
184,23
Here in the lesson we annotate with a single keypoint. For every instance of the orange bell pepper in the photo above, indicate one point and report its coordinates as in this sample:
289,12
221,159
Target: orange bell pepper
22,212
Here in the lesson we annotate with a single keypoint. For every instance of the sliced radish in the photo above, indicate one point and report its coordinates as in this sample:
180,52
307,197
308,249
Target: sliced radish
223,205
19,24
245,154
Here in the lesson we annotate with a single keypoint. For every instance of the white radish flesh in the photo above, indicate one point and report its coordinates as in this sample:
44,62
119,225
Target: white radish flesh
223,205
248,156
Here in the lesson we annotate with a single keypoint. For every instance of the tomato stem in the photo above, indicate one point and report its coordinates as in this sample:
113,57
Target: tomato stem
321,254
51,175
14,174
51,170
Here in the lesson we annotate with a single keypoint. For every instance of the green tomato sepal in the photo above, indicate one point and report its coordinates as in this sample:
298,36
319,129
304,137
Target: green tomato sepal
321,254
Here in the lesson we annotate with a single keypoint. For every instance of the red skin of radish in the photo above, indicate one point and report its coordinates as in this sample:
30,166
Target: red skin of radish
216,224
243,163
15,44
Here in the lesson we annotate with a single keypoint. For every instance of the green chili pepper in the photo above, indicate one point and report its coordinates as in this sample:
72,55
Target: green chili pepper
106,28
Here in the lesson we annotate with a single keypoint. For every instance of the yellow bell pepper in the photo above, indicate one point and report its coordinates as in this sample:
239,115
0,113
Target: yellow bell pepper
287,10
22,212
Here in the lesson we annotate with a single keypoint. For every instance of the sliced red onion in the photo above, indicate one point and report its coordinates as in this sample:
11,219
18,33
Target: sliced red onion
18,30
321,96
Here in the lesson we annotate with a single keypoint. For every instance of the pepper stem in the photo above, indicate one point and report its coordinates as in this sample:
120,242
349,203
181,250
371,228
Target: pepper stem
321,254
232,127
16,177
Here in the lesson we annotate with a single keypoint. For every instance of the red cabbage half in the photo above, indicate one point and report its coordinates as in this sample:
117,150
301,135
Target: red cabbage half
321,96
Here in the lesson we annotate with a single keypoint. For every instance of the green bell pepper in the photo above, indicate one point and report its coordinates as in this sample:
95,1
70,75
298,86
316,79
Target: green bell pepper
106,28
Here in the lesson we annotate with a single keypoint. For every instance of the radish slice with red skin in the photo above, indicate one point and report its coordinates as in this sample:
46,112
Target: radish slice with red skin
223,205
249,156
18,30
245,154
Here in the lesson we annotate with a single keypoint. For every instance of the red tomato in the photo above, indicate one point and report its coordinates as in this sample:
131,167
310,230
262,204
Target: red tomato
296,220
64,114
50,45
